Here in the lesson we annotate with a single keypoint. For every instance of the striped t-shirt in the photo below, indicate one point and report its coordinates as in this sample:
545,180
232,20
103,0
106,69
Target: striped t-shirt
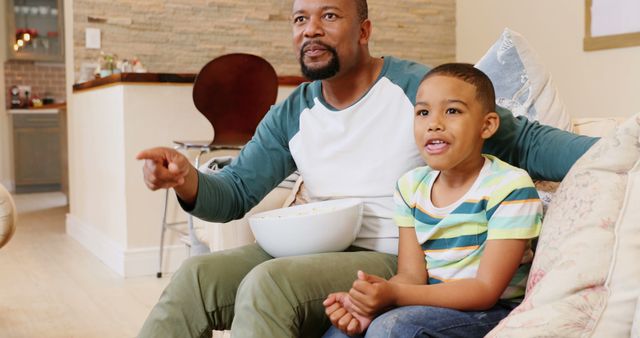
501,204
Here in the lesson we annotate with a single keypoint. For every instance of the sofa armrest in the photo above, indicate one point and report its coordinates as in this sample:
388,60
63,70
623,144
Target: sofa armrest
596,126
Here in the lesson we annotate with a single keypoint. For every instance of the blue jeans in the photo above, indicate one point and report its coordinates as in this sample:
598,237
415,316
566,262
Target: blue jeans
428,321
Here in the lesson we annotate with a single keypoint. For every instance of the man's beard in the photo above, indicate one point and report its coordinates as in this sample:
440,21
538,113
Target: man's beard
321,73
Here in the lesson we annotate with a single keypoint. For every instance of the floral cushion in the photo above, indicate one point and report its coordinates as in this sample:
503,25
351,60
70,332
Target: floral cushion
584,280
521,83
595,127
623,281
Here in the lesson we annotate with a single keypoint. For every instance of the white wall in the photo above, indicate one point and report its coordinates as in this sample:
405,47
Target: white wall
6,175
112,213
121,225
68,48
600,83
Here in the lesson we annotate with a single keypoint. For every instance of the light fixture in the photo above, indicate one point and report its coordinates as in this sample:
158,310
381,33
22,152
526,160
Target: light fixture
24,36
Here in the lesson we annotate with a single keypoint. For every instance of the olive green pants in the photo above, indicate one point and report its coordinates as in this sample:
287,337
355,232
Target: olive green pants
256,295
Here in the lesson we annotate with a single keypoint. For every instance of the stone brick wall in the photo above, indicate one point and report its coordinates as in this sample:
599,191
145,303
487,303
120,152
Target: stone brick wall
182,35
44,78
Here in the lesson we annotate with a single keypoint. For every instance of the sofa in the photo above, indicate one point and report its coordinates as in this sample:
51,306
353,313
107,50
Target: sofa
585,281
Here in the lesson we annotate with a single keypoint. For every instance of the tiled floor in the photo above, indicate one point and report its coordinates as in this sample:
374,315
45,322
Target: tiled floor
51,286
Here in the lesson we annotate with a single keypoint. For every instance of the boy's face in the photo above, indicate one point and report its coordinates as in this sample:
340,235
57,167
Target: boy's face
450,123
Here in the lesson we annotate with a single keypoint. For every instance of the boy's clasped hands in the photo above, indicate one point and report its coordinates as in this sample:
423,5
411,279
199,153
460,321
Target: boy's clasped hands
353,311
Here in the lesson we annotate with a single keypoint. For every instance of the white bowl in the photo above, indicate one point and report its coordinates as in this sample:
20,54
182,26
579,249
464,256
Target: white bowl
325,226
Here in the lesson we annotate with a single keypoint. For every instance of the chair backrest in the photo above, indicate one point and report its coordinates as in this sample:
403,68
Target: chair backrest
234,91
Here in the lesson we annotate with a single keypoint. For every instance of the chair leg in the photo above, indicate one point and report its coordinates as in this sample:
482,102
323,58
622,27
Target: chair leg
197,247
162,233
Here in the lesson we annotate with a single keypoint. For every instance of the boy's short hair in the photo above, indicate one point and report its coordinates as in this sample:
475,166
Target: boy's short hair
471,75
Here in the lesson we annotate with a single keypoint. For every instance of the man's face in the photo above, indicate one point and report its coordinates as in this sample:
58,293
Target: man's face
326,36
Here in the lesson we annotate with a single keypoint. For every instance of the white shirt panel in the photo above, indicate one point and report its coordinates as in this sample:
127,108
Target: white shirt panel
360,151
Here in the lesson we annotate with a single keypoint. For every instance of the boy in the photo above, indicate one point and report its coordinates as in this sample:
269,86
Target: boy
470,216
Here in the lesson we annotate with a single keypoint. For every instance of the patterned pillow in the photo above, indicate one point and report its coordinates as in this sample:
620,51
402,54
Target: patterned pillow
584,280
546,191
521,83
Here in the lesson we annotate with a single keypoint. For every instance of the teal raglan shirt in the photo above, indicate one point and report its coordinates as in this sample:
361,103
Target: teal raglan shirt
545,152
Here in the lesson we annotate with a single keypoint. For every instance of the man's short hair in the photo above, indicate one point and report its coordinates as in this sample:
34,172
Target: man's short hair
466,72
363,10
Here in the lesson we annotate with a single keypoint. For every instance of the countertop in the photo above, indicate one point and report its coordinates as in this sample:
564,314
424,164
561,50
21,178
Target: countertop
46,109
162,78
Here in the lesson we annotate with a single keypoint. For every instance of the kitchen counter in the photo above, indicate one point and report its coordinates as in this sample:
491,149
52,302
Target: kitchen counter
46,109
162,78
34,111
110,120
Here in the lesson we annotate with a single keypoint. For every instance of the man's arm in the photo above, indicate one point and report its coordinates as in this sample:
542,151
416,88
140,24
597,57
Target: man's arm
226,195
261,165
545,152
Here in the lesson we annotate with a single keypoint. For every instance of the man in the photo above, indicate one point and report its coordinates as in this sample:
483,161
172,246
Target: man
349,133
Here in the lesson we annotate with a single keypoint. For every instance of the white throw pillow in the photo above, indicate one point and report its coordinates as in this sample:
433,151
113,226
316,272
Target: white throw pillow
521,83
584,277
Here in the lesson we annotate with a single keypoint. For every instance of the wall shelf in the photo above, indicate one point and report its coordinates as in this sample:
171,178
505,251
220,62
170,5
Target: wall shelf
35,30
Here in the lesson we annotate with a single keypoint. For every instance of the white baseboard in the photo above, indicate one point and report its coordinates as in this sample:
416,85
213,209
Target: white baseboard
127,263
109,252
9,185
144,262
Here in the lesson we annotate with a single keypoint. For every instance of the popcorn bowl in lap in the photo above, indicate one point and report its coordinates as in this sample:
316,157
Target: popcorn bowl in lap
326,226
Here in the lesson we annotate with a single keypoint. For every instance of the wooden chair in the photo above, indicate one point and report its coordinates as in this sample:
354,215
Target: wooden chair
233,92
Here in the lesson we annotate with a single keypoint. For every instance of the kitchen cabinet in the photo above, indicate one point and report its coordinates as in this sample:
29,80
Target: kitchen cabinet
35,30
37,149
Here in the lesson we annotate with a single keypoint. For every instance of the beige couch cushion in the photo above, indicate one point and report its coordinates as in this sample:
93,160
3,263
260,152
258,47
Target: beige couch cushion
583,281
7,216
596,126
